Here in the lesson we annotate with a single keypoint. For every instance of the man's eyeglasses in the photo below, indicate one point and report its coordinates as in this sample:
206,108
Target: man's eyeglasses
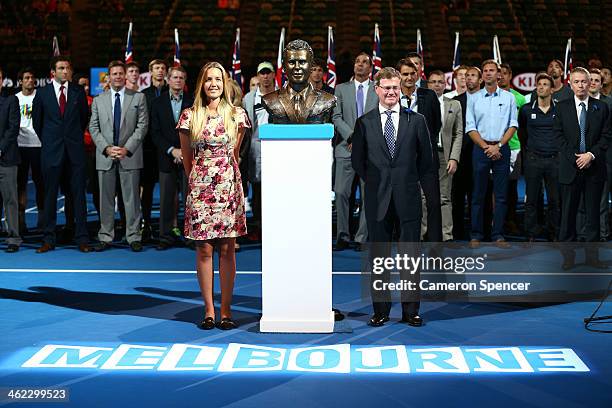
390,88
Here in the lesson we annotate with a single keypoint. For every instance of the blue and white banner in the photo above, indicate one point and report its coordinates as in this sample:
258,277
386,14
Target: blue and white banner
335,358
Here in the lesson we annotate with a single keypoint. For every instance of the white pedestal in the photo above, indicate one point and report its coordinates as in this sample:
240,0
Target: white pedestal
296,162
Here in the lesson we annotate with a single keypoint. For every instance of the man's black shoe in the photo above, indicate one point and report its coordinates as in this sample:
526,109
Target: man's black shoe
338,316
12,248
413,320
102,246
596,264
136,246
567,265
378,320
341,245
162,246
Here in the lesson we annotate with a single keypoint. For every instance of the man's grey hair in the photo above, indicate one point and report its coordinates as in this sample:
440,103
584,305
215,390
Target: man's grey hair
581,70
297,45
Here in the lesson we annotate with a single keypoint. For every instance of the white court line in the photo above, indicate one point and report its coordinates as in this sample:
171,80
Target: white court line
17,270
144,271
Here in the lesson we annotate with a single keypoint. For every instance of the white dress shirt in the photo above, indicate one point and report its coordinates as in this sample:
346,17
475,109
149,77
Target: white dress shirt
121,93
394,117
56,86
441,100
577,102
413,101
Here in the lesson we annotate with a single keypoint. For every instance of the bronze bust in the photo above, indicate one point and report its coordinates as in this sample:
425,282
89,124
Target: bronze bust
298,101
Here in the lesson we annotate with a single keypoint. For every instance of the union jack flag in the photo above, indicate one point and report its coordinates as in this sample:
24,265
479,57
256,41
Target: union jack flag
569,65
128,46
236,72
496,50
280,75
376,52
56,50
457,53
419,51
177,49
331,58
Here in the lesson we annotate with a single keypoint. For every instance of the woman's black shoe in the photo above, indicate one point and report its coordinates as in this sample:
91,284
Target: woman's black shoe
207,324
227,324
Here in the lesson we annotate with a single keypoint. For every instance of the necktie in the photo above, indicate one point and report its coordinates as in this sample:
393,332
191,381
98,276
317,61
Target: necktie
62,101
296,103
390,133
582,124
116,120
360,100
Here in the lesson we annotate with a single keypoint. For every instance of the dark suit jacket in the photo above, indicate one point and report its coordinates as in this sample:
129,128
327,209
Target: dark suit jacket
56,133
398,177
567,134
429,106
163,128
10,120
151,95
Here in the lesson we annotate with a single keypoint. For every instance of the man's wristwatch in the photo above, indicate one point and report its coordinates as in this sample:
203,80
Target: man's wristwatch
499,145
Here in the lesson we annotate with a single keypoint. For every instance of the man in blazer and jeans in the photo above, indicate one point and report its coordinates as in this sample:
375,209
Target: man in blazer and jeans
354,98
392,153
119,122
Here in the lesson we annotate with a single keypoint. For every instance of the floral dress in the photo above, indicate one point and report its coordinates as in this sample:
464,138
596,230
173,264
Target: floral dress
214,206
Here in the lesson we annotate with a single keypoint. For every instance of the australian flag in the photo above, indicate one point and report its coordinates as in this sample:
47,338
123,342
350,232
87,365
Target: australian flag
331,58
569,64
128,46
421,53
177,49
376,52
456,54
280,74
236,73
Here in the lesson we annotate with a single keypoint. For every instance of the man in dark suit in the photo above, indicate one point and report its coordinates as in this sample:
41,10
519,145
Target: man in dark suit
415,58
425,102
149,174
10,120
60,114
392,154
165,113
582,130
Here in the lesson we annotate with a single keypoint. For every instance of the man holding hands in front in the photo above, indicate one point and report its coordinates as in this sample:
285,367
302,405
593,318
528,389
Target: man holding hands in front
392,153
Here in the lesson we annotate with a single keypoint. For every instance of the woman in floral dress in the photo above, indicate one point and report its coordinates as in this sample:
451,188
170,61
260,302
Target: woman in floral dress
211,132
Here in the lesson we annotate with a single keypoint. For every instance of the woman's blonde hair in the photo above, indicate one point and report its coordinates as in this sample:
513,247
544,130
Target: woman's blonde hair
225,109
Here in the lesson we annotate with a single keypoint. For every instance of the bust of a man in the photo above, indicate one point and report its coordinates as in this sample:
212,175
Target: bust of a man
298,101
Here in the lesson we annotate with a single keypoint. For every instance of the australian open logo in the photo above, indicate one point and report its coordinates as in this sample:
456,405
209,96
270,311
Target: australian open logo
337,358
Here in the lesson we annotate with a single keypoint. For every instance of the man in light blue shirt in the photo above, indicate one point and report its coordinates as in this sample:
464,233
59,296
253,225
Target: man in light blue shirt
491,121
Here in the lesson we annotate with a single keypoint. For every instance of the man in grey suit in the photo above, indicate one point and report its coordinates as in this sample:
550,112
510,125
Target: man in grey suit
119,122
449,145
354,98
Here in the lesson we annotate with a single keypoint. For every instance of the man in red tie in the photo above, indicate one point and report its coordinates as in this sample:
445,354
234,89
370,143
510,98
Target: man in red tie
60,116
